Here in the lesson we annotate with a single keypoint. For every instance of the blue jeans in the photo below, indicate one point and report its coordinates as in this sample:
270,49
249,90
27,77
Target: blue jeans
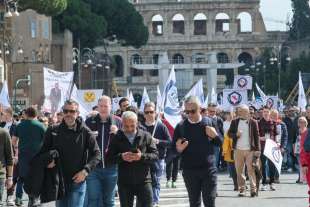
101,185
157,171
75,197
19,188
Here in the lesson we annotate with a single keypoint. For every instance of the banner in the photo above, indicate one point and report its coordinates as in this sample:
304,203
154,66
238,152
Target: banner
243,82
115,105
89,98
272,102
232,98
57,86
273,153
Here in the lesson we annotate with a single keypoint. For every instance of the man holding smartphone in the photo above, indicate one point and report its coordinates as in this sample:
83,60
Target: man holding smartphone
195,138
134,151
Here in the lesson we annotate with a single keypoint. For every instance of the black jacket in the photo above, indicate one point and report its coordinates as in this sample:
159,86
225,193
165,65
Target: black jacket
77,149
48,183
135,172
96,125
199,154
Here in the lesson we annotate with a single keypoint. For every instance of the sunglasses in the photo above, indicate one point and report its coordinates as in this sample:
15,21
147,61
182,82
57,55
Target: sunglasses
149,112
66,111
193,111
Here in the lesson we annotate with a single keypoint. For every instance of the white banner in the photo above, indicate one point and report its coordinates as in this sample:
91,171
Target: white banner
272,102
115,105
273,153
243,82
89,98
234,97
57,87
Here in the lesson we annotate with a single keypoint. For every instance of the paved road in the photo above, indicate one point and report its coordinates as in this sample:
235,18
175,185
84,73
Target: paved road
288,194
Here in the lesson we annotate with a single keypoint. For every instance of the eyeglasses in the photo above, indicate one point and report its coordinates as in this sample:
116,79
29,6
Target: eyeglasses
193,111
149,112
66,111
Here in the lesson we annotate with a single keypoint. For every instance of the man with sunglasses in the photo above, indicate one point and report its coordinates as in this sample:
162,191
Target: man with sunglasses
163,141
194,139
101,183
78,154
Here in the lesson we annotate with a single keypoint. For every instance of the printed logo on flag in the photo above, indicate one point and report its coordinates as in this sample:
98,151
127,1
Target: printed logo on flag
234,98
89,96
270,102
173,95
242,82
276,153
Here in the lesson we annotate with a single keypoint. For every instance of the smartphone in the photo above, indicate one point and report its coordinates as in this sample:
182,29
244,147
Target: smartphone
134,150
183,140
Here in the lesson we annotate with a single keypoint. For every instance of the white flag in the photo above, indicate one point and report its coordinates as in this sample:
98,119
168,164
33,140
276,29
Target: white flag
197,90
4,96
243,82
115,105
213,96
145,99
205,103
170,100
262,94
128,93
82,108
232,98
132,100
158,100
302,101
89,97
273,153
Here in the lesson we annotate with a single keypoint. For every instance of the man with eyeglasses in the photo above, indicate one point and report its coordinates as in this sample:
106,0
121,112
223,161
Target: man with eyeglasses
218,124
78,154
163,141
101,183
195,138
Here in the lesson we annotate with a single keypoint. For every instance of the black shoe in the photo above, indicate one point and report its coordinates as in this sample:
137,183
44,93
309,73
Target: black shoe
277,181
253,194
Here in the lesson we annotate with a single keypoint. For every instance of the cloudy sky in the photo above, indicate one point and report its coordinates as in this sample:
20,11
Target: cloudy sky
276,10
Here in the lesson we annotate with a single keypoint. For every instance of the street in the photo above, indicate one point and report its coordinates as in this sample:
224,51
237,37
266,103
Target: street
288,194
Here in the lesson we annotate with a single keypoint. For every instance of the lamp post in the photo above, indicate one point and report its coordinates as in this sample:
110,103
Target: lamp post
28,80
276,58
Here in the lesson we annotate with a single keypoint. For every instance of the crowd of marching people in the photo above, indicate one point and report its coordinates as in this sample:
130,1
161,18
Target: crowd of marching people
88,163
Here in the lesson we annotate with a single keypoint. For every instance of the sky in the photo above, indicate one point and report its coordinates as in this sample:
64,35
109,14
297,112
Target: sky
276,10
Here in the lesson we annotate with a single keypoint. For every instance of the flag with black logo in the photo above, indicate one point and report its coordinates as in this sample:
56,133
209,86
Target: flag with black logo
243,82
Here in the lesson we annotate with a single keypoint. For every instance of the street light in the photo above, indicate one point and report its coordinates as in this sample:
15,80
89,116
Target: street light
28,80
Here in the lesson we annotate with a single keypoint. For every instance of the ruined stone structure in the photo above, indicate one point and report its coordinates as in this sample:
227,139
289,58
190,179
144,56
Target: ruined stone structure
188,30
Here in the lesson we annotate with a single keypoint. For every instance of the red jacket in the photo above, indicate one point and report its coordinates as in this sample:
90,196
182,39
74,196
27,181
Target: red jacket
169,126
304,156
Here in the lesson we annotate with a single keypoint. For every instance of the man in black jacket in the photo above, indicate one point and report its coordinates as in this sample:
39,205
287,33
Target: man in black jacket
134,151
162,140
78,153
195,138
101,182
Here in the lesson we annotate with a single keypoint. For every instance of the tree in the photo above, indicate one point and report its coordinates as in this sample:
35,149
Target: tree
300,26
85,25
47,7
92,20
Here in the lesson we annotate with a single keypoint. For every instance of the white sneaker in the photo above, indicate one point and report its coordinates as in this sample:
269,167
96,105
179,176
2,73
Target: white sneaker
10,201
264,188
272,187
290,170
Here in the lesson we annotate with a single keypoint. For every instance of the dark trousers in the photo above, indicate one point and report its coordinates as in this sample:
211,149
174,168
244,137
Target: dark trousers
199,182
268,173
233,173
172,169
143,192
